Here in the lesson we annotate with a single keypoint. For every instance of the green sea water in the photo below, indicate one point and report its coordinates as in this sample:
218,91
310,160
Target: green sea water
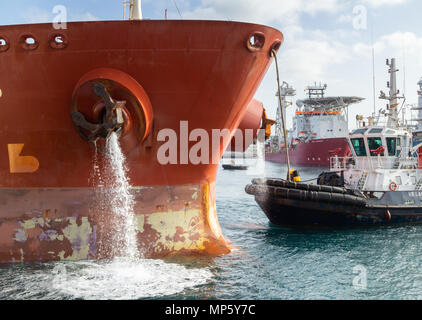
266,262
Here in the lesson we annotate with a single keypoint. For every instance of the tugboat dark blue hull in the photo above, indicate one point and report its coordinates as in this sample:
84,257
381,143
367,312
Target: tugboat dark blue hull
288,204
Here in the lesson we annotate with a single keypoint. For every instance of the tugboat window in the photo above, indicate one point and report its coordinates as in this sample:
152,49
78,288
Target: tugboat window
360,131
374,145
359,146
391,146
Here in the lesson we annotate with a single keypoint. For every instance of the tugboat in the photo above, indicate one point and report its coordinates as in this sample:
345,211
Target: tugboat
380,184
320,128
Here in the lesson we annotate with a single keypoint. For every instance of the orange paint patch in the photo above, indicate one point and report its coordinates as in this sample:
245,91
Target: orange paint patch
21,164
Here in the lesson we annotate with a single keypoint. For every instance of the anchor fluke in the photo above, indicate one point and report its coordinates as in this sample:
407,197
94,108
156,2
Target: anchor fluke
108,100
112,120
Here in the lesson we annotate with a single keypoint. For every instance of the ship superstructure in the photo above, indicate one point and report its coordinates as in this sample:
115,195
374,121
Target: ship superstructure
320,129
320,117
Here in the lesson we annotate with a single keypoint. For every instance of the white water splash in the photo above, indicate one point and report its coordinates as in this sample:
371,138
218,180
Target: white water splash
123,279
119,279
120,200
96,178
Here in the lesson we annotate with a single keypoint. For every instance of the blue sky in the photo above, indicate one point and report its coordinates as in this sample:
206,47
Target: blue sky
321,42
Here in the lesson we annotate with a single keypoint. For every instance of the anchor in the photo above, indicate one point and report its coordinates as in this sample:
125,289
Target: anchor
112,121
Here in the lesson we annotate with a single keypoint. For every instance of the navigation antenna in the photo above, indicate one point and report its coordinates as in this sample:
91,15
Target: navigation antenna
373,69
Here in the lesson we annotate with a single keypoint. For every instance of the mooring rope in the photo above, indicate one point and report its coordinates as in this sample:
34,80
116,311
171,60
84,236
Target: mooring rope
309,180
301,180
274,54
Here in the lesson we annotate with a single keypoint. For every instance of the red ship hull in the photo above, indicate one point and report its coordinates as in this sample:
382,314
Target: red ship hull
315,153
169,71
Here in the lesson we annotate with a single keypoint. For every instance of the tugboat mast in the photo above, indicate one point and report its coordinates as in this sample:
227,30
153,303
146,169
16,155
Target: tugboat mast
418,130
393,98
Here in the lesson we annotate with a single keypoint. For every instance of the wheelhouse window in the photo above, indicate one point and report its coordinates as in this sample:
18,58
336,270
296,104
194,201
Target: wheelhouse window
392,146
360,131
375,146
376,130
359,147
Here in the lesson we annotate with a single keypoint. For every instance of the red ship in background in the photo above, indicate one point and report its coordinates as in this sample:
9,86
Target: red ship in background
320,128
56,90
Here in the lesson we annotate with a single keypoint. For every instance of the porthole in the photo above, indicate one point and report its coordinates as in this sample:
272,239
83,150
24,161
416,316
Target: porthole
4,44
255,41
58,41
28,42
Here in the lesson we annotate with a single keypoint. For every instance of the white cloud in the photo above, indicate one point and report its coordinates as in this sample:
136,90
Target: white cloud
345,18
36,15
397,44
365,50
312,58
87,16
315,6
261,11
405,40
379,3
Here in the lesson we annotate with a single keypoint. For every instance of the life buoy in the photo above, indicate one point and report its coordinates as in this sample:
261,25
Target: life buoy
393,186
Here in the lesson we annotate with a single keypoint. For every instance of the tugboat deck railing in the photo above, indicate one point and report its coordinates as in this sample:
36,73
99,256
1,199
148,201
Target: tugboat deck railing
373,163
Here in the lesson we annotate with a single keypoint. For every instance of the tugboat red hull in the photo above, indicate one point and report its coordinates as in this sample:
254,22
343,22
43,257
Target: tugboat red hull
202,72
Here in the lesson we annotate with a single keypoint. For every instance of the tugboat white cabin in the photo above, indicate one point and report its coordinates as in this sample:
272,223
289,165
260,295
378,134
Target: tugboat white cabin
382,160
